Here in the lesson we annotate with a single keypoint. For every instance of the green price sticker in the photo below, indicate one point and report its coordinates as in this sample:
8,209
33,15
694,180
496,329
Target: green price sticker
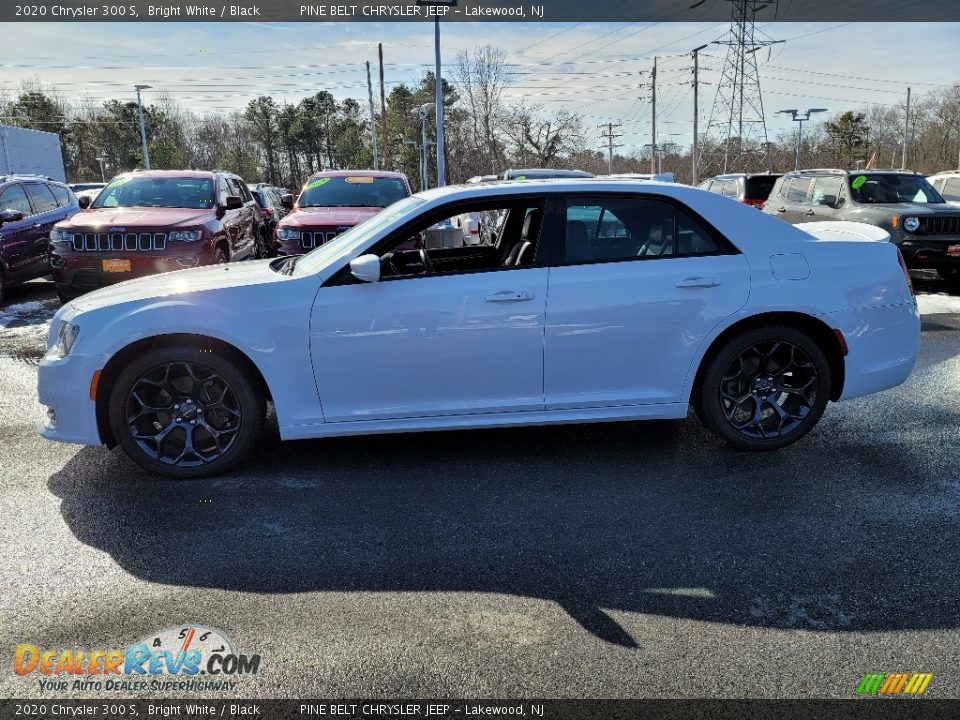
520,177
858,182
318,183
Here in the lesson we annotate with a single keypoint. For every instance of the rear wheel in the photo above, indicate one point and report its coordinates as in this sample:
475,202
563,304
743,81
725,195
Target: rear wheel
262,247
764,389
185,413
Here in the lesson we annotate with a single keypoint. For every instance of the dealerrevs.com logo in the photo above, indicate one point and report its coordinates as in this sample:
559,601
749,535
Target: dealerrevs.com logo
183,657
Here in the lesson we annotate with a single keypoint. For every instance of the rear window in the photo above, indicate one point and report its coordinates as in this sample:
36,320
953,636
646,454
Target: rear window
352,191
759,187
798,189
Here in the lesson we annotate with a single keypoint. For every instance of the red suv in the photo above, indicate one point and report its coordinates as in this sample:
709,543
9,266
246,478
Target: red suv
334,201
155,221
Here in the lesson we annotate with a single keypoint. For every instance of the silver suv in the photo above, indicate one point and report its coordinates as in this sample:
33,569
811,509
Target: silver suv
920,222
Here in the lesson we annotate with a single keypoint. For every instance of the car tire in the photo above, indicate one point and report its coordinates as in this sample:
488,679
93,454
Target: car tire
220,256
169,395
951,277
262,246
763,389
3,285
63,296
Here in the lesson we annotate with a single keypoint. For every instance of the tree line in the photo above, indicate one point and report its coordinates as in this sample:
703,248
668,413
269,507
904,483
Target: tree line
283,143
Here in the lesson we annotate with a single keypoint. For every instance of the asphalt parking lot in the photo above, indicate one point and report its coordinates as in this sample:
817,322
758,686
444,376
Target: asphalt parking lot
612,560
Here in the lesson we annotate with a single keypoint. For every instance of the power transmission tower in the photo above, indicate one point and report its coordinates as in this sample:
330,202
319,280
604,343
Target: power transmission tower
609,136
737,119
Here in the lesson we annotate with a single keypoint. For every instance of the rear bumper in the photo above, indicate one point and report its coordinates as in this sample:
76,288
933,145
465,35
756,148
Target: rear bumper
883,346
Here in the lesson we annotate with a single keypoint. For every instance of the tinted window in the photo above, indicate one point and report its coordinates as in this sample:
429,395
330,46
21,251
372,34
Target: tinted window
14,198
62,194
222,191
760,186
628,228
832,185
872,188
729,188
951,189
798,190
352,191
42,197
133,191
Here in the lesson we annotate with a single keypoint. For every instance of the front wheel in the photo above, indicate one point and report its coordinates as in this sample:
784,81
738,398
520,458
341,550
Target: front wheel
183,412
764,389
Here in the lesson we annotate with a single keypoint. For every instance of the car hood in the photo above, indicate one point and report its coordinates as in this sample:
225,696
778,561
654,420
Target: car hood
317,217
180,283
906,208
101,218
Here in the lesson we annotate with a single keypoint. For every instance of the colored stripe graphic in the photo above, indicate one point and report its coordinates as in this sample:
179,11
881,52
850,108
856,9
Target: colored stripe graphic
870,683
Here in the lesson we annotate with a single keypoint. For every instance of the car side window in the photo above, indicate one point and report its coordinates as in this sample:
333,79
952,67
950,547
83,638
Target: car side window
239,189
798,190
42,197
222,192
62,194
14,198
951,189
830,185
705,185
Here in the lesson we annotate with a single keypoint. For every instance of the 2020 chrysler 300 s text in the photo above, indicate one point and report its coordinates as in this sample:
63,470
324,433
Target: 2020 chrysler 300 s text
595,300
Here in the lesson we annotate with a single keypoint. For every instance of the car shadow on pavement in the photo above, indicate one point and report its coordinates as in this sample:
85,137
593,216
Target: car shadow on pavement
843,532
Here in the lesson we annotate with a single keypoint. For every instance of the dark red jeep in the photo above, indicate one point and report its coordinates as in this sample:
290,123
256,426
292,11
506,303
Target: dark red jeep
333,201
155,221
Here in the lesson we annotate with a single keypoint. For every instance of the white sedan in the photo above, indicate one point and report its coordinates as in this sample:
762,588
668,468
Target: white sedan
597,300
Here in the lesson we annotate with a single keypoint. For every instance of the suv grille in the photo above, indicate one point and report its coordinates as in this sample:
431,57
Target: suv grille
940,225
113,242
310,240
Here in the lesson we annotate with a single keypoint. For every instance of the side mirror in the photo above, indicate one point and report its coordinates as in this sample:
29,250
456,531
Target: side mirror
234,202
366,268
83,201
10,216
287,201
829,200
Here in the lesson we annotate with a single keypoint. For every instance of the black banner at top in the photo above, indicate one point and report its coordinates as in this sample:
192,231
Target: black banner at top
478,10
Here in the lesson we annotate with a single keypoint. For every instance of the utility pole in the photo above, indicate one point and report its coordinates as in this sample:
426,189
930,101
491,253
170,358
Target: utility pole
143,130
609,136
373,120
696,113
383,114
653,119
906,134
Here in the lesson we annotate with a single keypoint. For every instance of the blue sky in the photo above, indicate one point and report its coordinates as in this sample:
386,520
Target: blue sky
599,70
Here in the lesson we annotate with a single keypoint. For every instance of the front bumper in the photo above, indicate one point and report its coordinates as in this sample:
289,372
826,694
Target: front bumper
929,253
63,386
76,273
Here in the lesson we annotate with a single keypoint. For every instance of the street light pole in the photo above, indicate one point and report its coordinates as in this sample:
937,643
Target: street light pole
696,113
143,129
438,87
800,118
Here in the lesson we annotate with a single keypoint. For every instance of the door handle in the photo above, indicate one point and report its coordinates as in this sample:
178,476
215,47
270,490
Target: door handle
37,226
509,296
697,282
781,209
810,212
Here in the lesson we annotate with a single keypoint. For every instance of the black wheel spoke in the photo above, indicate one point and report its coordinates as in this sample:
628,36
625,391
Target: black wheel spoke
183,414
768,389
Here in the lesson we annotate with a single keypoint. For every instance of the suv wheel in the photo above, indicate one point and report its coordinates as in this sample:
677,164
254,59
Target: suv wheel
951,276
220,256
184,413
764,389
2,286
263,245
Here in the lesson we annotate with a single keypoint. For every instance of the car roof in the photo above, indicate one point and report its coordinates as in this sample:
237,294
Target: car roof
554,185
209,174
549,173
369,173
838,171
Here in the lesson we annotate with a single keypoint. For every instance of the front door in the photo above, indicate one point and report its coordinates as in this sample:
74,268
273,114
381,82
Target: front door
643,282
446,331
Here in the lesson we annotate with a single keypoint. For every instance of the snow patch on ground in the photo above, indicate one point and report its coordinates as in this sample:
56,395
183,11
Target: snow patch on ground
935,304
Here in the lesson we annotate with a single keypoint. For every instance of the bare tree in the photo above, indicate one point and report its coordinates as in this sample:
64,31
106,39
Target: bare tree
481,78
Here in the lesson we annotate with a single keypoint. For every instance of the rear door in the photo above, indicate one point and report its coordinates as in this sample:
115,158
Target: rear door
640,282
826,185
796,200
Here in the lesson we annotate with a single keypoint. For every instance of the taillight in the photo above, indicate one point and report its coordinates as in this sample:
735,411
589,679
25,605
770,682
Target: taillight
267,213
906,272
754,202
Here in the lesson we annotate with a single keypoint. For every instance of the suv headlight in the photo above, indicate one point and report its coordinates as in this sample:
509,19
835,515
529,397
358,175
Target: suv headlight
911,224
66,337
185,235
61,236
285,234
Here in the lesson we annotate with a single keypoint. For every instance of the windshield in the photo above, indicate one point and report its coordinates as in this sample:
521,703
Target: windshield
172,192
352,191
876,188
346,243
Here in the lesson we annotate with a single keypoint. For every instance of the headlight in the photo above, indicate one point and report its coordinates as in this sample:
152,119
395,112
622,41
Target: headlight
66,337
61,236
185,235
911,224
285,234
